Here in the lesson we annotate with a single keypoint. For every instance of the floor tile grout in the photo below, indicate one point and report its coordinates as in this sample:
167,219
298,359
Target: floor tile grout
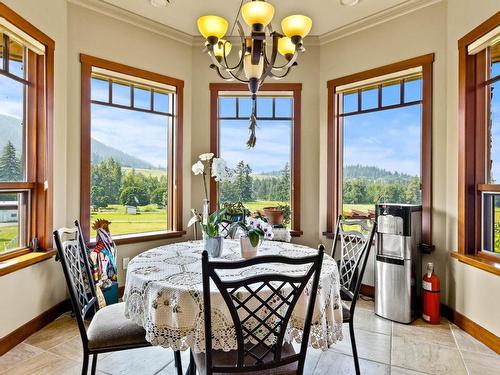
458,348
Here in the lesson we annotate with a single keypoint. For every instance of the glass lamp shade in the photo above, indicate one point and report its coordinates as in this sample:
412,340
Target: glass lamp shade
219,48
257,12
212,26
296,25
252,71
286,46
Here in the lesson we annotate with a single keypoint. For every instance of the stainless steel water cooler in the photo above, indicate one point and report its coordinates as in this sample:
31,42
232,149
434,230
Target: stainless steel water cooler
398,261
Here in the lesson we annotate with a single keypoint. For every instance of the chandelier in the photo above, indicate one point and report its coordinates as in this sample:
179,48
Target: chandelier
255,62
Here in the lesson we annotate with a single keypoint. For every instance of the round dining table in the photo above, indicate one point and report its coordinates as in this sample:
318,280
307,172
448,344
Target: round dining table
164,294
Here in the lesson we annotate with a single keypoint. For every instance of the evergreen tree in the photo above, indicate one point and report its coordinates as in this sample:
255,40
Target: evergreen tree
283,186
10,164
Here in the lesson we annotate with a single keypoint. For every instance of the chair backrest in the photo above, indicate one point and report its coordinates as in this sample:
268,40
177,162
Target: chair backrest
77,273
355,248
261,320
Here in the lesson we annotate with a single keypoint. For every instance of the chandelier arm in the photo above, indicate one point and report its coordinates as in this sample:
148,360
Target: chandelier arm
271,74
289,64
239,65
238,78
274,54
216,68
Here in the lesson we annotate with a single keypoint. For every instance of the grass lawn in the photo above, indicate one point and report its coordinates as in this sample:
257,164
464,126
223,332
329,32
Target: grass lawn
147,172
7,233
148,219
259,205
358,207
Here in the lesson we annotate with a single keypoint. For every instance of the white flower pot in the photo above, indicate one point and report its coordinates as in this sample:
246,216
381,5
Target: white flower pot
247,250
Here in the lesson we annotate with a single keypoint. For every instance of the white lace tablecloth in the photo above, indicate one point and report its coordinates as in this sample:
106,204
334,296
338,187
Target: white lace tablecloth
164,294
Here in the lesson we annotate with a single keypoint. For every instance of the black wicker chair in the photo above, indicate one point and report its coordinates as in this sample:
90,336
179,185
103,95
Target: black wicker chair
355,250
109,329
259,328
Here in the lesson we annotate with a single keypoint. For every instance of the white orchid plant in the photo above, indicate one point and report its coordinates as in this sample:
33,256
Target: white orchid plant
207,165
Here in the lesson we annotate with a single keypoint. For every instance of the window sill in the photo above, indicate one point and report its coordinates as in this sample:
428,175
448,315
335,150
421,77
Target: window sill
296,233
23,261
486,264
144,237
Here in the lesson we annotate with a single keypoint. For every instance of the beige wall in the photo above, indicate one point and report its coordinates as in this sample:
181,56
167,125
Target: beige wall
470,291
433,29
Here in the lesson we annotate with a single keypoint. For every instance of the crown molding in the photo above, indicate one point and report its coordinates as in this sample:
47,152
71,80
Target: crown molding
124,15
135,19
383,16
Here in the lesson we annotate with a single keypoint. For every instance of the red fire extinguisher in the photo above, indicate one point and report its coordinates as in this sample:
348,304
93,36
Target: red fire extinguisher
431,291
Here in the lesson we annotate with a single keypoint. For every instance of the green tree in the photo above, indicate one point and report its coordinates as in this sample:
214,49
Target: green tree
134,196
159,196
283,186
10,164
243,182
355,191
107,175
412,191
98,197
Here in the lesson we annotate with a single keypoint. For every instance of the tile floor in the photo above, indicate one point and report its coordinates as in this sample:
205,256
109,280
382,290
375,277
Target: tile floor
384,348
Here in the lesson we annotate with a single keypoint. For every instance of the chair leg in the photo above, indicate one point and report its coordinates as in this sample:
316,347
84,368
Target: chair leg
192,366
178,361
85,364
354,349
94,364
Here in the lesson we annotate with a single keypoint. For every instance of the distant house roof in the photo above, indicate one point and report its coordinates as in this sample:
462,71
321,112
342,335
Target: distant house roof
9,205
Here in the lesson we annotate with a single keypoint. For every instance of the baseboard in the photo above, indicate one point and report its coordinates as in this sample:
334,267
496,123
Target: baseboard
19,335
367,290
472,328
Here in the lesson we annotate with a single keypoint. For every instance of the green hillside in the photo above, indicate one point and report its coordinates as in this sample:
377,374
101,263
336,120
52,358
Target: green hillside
11,130
101,152
371,173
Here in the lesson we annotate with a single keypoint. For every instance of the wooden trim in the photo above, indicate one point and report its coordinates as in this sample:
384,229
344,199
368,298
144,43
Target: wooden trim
175,147
25,26
296,88
367,290
383,70
481,262
14,338
25,260
129,70
494,188
472,328
471,138
334,144
41,72
14,253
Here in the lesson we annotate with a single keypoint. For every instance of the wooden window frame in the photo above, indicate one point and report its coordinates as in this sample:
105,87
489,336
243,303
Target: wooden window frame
334,146
175,180
296,89
472,120
40,115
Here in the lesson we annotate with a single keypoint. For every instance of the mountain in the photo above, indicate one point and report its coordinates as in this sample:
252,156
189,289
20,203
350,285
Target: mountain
11,129
373,173
101,152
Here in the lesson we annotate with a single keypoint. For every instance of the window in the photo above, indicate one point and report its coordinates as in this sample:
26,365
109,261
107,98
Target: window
479,141
267,175
26,84
379,141
131,142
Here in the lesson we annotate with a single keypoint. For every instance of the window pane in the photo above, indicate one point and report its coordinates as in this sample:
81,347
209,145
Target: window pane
142,98
12,137
129,169
369,98
16,58
121,94
350,102
391,94
413,90
227,107
262,175
284,107
161,102
494,138
381,154
13,221
99,90
264,107
491,222
245,107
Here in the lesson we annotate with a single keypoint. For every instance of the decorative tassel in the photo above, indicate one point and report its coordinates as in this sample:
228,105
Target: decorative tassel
252,139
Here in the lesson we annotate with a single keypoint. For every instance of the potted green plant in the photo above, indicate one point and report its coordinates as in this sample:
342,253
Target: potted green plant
286,213
253,232
212,239
235,211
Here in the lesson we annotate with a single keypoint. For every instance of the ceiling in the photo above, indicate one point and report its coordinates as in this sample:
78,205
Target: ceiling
327,15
